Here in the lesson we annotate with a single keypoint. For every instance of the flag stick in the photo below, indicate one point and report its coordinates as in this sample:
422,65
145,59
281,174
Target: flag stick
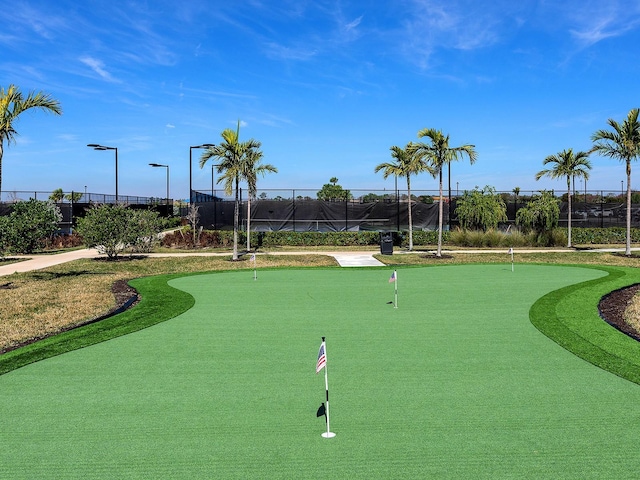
511,252
255,273
395,296
328,433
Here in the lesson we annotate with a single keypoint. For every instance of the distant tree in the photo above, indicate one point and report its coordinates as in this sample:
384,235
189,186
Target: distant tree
193,217
12,104
569,165
621,143
57,195
407,162
481,209
438,153
31,223
113,229
73,196
145,225
333,192
106,227
541,214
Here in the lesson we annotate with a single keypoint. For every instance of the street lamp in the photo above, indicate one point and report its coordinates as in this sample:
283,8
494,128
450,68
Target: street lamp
167,167
204,145
95,146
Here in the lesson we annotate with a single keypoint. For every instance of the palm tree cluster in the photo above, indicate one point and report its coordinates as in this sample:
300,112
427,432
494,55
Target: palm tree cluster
430,156
238,161
621,143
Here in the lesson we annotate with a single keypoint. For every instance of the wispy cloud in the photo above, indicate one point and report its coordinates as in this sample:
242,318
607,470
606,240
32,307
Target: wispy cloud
98,67
600,24
274,50
432,25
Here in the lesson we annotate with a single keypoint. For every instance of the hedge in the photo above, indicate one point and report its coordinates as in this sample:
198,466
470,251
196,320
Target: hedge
224,238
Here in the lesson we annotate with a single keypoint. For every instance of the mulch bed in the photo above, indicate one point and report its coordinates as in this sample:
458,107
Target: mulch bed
613,306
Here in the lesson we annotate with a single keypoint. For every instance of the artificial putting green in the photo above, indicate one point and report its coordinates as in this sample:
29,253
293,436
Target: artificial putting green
455,383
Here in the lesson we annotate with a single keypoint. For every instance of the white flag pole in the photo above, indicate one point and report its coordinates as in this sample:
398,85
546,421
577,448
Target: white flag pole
328,433
511,252
255,273
395,298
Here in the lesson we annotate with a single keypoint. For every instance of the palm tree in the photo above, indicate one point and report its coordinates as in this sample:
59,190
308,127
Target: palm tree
569,165
253,168
232,155
438,153
12,104
623,143
407,162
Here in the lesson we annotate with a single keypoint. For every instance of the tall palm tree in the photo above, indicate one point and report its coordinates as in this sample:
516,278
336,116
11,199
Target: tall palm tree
623,143
406,163
253,168
570,165
438,153
232,155
12,104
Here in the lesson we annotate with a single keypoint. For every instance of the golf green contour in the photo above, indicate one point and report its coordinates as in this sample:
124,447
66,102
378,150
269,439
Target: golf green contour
481,372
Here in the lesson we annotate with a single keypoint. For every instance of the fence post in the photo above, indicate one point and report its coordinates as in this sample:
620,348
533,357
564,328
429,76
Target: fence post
293,199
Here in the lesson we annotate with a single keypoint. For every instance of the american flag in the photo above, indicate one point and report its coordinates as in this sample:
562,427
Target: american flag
393,277
322,359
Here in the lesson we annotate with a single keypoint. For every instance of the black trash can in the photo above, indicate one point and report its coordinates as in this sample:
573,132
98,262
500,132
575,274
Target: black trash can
386,243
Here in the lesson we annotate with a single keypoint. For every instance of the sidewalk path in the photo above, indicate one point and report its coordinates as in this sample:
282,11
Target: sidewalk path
37,262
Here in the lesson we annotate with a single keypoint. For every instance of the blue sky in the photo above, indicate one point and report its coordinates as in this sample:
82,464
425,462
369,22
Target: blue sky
327,86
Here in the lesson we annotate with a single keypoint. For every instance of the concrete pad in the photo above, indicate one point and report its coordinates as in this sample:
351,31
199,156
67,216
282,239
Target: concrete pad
357,260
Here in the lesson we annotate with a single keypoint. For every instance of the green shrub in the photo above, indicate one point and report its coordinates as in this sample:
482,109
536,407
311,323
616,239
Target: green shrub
493,238
31,223
514,238
588,236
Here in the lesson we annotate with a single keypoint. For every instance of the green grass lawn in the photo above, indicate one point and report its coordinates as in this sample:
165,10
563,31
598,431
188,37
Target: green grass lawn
455,383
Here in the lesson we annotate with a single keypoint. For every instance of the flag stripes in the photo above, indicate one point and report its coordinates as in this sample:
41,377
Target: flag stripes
322,359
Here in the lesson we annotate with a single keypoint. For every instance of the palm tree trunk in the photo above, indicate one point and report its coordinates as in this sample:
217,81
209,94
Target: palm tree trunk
569,217
236,215
410,219
440,215
249,223
628,247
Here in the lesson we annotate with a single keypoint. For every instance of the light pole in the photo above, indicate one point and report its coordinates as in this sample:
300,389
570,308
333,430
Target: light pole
95,146
204,145
167,167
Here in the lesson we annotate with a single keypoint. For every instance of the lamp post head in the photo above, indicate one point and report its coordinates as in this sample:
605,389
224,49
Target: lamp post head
157,165
96,146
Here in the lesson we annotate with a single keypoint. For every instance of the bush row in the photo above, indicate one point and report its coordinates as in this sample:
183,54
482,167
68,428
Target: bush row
465,238
587,236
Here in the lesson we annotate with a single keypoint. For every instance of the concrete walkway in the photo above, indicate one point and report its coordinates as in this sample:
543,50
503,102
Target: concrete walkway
37,262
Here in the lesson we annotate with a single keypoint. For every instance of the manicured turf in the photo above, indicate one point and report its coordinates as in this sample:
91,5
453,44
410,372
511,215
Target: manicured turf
455,383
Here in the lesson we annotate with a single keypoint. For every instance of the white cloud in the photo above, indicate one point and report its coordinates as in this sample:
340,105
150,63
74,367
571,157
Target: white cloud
169,125
98,67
